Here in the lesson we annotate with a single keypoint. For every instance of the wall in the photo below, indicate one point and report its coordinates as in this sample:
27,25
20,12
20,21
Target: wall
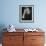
10,13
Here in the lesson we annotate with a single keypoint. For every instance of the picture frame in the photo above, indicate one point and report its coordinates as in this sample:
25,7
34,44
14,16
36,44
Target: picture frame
26,13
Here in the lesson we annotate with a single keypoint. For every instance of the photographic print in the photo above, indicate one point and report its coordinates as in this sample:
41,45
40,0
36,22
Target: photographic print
26,13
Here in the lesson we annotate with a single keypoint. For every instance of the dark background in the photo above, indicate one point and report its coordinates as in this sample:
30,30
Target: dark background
28,17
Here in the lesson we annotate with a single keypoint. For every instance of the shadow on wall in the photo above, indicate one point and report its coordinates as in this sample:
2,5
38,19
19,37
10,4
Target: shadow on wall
2,26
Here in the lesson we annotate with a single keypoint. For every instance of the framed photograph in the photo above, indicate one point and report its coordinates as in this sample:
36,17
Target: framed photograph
26,13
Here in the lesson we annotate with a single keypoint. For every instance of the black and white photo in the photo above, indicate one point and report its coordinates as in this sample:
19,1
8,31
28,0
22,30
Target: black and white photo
26,13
